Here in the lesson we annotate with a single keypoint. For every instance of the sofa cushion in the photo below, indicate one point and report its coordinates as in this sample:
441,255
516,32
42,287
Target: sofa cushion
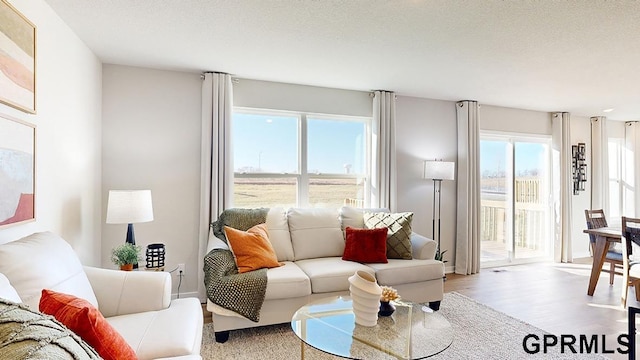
279,235
7,291
88,323
44,261
365,245
399,232
330,273
251,249
41,336
287,281
398,271
315,233
354,217
152,334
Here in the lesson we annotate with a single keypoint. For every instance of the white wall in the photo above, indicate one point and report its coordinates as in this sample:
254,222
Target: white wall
151,140
496,118
291,97
68,121
427,130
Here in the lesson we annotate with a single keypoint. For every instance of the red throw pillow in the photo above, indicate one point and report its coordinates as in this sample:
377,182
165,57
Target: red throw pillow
366,245
87,322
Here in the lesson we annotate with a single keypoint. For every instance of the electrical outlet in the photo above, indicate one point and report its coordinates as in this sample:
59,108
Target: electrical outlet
180,270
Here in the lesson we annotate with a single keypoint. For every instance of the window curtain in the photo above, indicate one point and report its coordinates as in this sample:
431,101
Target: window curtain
599,164
562,179
631,168
467,260
383,143
216,182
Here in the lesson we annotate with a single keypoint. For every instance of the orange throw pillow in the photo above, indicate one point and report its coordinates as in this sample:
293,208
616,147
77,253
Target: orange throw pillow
87,322
251,248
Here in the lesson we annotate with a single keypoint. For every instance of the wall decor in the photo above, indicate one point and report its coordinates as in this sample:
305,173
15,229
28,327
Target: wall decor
17,171
17,59
578,167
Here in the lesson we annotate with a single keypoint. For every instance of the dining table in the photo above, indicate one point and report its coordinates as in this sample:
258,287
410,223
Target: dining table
604,237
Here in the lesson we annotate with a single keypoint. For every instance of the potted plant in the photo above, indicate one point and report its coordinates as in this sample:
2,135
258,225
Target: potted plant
125,255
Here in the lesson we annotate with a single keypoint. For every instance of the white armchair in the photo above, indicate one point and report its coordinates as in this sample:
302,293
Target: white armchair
137,304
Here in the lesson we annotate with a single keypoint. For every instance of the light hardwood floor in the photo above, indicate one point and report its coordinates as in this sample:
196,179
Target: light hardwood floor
550,296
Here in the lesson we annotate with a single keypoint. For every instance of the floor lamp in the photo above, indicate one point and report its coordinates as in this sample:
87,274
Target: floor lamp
438,171
129,207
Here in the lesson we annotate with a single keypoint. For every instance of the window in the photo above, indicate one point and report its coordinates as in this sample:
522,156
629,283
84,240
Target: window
515,216
298,159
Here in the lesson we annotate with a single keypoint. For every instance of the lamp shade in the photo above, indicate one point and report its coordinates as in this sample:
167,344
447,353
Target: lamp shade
439,170
129,206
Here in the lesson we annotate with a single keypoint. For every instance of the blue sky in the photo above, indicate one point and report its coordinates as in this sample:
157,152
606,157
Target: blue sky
529,156
270,143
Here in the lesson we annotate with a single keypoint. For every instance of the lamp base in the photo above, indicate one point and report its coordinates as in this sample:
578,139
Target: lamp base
131,239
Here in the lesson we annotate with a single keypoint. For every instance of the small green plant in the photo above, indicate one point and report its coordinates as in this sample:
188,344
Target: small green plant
125,254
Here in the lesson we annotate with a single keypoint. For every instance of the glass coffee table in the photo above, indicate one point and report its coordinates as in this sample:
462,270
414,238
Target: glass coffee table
414,331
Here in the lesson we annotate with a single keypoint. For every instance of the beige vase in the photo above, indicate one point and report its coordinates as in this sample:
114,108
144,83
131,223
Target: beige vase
365,297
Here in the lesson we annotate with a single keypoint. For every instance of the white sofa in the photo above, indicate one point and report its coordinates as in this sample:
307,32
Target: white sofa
136,303
310,243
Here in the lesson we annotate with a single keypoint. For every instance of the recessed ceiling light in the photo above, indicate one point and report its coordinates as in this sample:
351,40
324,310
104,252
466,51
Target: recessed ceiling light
607,110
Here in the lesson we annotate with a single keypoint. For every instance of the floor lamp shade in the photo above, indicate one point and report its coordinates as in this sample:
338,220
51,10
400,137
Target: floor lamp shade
439,170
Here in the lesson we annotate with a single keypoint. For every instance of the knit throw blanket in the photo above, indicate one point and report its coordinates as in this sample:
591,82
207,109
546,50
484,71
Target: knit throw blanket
27,334
242,293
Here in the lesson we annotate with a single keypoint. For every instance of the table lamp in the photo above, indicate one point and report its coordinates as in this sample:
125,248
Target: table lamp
129,207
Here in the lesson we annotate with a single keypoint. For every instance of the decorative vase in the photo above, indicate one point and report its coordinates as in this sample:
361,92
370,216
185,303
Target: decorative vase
365,297
126,267
386,308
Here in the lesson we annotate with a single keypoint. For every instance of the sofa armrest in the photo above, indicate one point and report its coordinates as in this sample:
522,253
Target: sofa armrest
127,292
422,247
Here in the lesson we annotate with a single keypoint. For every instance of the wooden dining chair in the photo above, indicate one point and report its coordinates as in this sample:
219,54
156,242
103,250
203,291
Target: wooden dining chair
596,220
630,268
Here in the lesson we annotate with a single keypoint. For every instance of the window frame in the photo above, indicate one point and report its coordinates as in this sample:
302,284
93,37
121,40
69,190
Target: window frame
303,176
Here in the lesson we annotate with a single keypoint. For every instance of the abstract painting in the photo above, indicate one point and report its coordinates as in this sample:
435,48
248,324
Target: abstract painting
17,171
17,59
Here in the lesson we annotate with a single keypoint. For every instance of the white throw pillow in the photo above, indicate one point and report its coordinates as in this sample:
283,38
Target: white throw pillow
315,233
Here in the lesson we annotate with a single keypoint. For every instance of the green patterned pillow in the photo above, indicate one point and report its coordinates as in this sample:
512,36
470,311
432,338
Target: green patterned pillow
399,232
27,334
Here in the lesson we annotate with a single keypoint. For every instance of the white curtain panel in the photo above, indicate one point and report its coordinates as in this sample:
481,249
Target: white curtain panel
467,259
631,169
599,164
562,178
383,142
216,183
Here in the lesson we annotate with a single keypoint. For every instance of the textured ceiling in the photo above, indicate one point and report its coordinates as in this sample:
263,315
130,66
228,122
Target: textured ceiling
576,56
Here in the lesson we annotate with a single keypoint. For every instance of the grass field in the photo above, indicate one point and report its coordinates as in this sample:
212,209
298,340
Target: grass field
249,193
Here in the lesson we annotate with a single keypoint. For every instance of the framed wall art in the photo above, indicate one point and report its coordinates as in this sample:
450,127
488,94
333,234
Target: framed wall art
17,171
17,59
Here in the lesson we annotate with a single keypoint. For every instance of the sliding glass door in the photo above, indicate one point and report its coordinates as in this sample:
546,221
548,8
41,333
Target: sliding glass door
515,211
